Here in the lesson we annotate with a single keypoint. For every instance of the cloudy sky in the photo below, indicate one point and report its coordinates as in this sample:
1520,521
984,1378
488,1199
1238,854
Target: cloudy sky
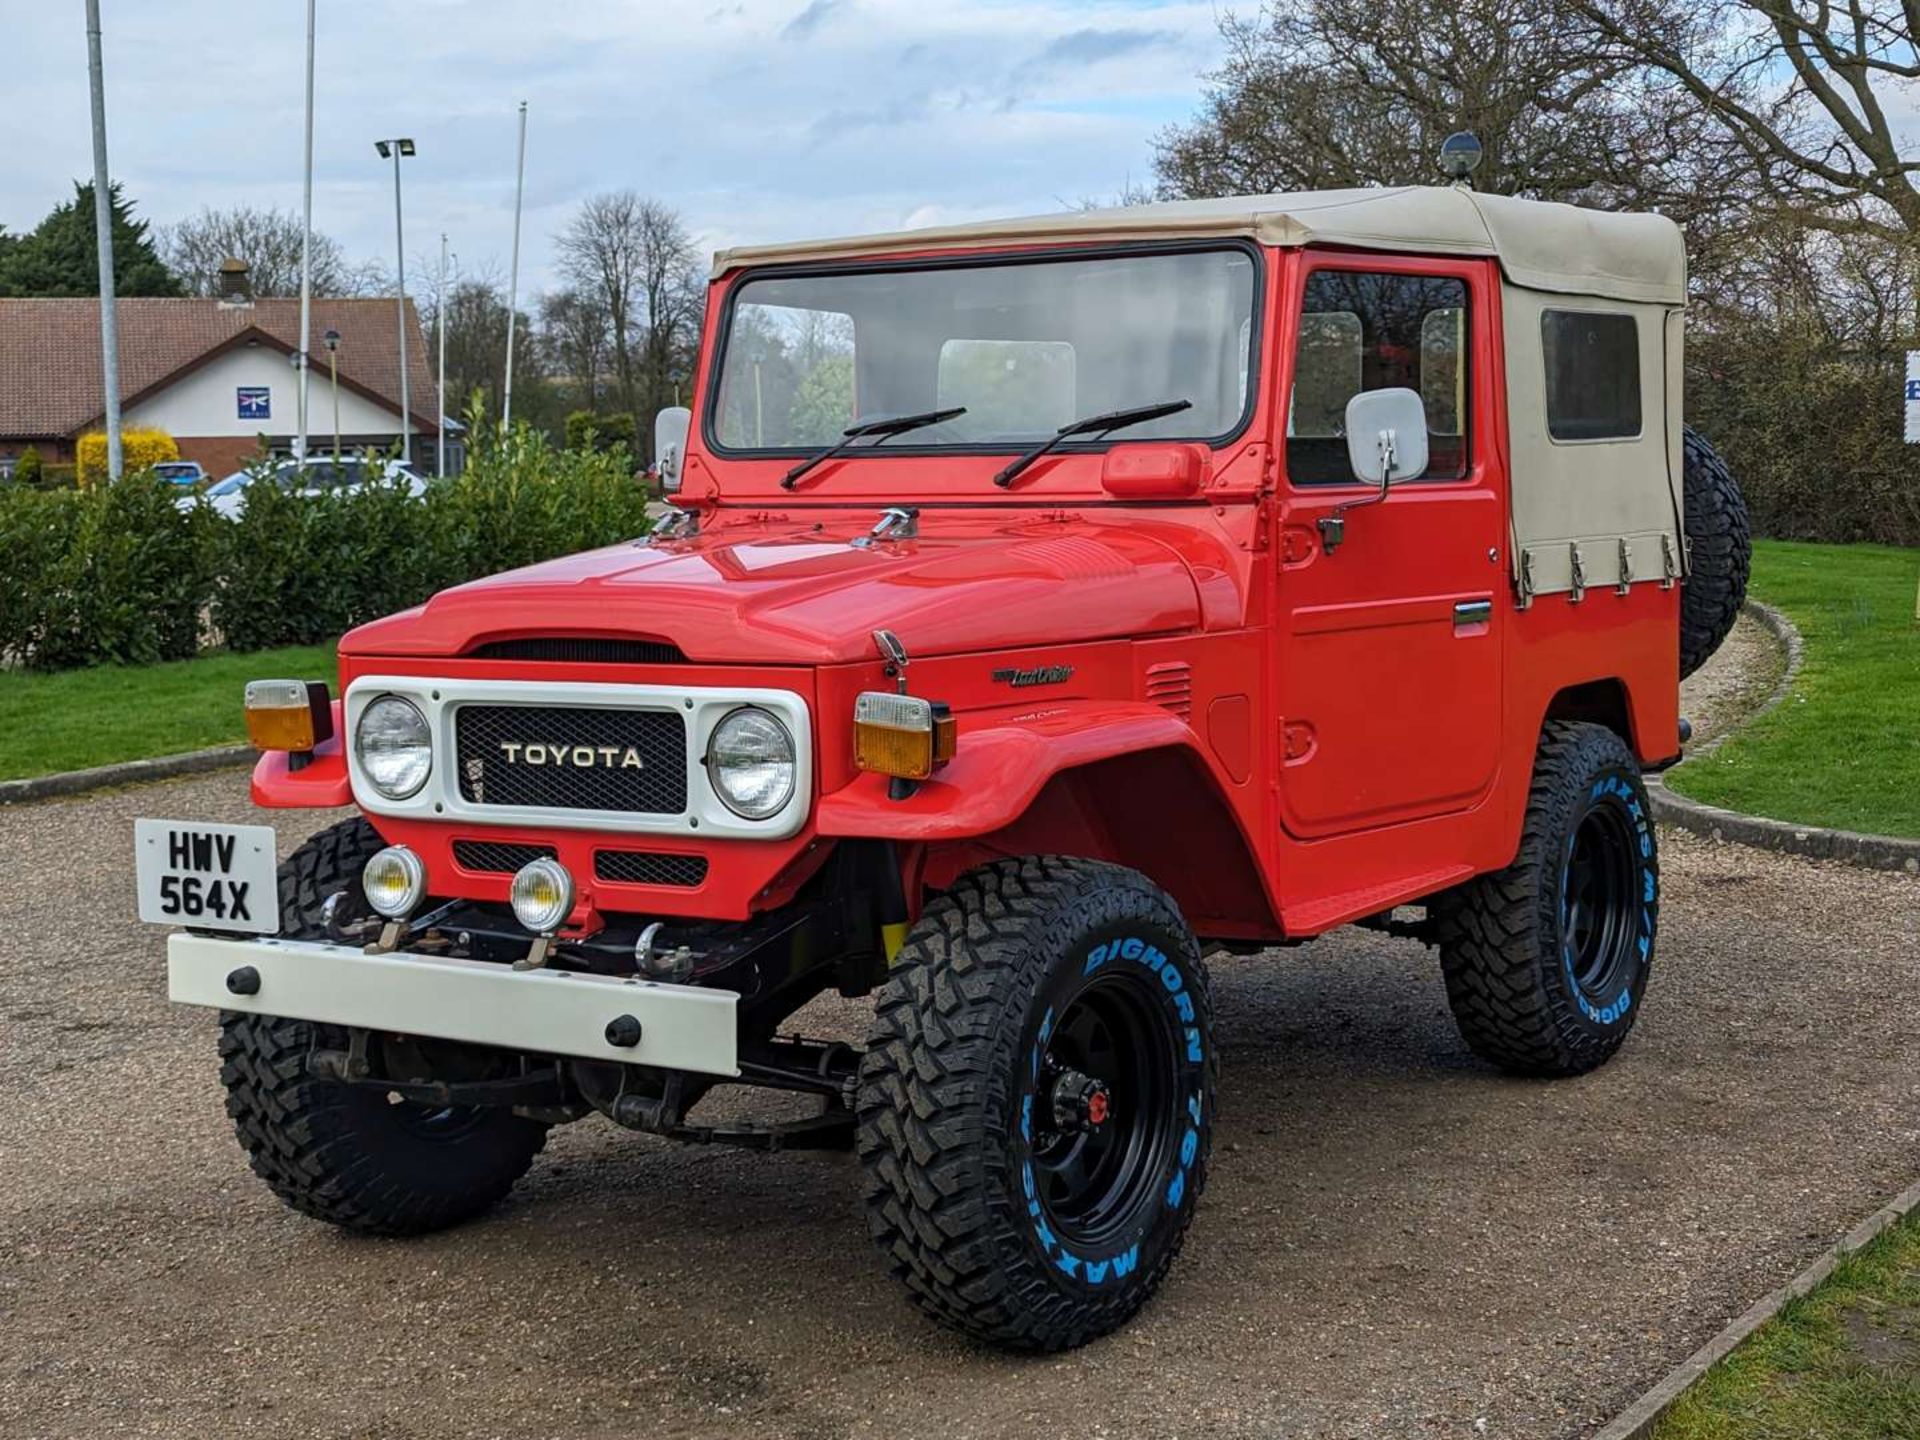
757,119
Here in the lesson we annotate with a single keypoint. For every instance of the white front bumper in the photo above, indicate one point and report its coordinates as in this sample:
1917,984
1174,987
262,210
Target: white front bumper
549,1012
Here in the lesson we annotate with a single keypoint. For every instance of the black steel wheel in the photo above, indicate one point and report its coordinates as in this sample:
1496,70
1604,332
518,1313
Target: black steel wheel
1547,961
1036,1103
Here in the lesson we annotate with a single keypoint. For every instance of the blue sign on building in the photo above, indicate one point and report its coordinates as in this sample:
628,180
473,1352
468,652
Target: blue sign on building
254,402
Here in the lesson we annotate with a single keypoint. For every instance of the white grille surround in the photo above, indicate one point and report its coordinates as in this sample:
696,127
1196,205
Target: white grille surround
701,708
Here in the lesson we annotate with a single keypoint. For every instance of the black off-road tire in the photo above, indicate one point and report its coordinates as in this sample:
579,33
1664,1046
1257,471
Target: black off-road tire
1546,962
343,1153
1721,550
973,1179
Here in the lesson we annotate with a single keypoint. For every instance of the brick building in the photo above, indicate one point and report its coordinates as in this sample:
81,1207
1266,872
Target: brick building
216,374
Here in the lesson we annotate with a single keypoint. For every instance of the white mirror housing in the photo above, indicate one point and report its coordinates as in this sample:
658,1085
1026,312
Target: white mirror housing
670,429
1387,435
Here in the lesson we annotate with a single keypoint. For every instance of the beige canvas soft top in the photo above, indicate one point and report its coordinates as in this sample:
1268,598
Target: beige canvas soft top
1558,248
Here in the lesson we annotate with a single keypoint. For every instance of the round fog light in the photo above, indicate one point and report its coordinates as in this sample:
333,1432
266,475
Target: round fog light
395,882
542,895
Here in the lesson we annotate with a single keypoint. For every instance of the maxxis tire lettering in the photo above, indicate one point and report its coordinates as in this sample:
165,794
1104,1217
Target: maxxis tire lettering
945,1108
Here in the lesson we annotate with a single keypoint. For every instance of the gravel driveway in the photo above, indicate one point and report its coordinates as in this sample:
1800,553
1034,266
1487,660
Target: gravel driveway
1396,1241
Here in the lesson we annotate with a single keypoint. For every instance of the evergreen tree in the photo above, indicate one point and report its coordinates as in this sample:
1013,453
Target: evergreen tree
57,258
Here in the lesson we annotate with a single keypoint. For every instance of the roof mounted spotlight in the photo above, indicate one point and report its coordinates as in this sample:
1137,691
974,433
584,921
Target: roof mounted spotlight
1460,155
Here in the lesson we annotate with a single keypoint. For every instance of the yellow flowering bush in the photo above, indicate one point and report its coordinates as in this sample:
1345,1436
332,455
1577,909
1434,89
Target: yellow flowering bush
139,449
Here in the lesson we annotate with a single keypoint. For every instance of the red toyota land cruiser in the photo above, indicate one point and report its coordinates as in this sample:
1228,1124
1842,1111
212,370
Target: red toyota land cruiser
1043,607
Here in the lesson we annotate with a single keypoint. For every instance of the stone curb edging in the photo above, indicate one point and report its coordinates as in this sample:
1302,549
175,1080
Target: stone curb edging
130,772
1869,852
1783,630
1636,1422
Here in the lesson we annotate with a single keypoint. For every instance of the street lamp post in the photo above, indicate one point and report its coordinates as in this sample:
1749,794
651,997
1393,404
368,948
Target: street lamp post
395,149
332,341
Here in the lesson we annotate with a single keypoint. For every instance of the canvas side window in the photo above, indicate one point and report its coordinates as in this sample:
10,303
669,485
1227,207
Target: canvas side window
1593,374
1370,330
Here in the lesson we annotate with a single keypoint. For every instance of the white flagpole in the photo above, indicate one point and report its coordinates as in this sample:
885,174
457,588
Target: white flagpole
103,241
513,282
440,454
306,257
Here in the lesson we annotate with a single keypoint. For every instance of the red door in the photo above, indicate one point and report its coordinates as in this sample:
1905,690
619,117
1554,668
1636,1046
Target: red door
1390,657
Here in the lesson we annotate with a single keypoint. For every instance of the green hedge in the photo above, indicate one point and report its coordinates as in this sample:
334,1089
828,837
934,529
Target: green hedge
121,574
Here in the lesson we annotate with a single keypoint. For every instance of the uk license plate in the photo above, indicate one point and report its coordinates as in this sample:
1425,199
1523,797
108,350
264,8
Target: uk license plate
210,877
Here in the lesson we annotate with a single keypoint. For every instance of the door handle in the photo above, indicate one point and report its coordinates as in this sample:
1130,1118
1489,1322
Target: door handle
1469,613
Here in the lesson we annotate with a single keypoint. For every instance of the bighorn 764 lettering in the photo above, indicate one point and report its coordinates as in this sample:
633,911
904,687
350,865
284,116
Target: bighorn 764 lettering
1043,609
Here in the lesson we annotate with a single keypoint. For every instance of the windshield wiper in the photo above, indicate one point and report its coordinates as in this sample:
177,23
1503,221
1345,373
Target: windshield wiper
885,428
1092,425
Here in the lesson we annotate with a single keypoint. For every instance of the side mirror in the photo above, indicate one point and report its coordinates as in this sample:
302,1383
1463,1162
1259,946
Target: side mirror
1387,436
670,429
1386,441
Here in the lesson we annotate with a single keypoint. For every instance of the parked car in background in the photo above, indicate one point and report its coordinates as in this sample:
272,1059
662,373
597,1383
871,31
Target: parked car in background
182,472
228,497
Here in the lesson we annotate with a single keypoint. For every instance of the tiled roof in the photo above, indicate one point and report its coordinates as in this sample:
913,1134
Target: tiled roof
50,382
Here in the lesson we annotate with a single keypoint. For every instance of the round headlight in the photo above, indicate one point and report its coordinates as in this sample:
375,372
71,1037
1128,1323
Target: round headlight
393,747
542,895
395,882
750,758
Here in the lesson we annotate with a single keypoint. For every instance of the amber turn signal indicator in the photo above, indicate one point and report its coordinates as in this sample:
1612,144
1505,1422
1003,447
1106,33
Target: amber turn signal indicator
294,715
901,735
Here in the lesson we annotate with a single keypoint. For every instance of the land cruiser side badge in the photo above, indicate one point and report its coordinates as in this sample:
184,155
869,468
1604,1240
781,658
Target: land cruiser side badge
1038,675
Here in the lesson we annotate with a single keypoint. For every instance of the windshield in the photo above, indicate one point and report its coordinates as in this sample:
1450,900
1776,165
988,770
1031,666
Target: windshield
236,481
1025,347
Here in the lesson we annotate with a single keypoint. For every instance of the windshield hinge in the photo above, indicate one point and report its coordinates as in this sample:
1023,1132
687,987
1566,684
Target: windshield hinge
676,524
900,522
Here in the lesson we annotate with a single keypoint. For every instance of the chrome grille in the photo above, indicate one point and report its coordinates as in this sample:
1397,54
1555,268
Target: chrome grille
649,867
572,757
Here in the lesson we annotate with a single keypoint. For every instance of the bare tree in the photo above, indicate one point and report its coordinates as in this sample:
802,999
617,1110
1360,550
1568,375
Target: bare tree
1808,95
475,313
268,241
577,337
632,255
1320,94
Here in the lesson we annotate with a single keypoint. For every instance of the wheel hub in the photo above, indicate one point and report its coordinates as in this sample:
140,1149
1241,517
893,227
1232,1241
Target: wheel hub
1080,1103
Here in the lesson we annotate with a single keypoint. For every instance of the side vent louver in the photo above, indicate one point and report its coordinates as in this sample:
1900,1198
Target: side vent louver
1170,686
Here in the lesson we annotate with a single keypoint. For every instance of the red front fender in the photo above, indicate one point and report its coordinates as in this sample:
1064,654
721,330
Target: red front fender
1005,758
321,784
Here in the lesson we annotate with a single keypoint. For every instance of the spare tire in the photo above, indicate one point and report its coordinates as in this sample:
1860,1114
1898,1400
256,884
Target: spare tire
1720,550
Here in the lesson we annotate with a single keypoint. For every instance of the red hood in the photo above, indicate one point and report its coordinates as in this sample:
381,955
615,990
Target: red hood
796,594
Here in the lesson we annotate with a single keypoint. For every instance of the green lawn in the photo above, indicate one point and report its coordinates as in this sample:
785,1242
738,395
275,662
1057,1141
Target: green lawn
1844,748
1842,1363
78,718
